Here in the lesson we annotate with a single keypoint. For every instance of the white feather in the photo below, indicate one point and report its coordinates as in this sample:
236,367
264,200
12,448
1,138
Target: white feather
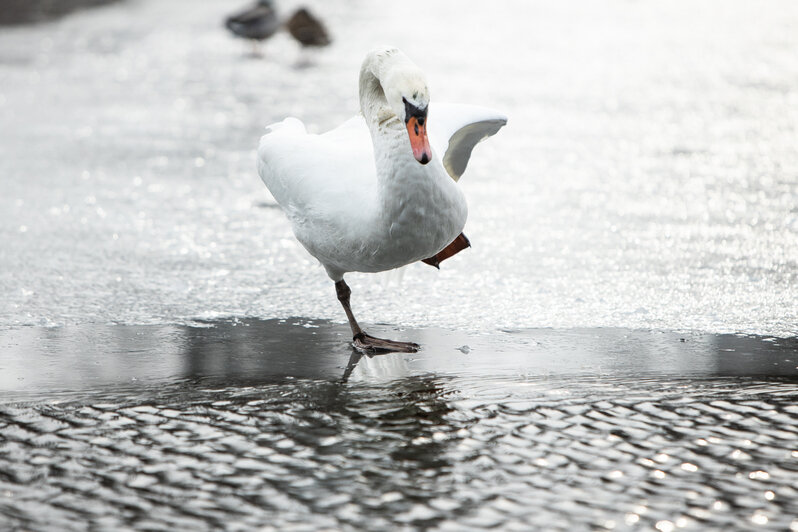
356,197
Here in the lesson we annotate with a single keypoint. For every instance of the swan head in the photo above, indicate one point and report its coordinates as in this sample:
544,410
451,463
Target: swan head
407,93
404,88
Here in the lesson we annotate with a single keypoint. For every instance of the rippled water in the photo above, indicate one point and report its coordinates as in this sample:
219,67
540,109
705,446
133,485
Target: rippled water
247,424
426,451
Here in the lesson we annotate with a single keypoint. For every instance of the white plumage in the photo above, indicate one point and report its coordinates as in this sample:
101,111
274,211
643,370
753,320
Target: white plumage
360,197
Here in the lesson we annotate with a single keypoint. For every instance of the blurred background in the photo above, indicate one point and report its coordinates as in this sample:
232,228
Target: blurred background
647,176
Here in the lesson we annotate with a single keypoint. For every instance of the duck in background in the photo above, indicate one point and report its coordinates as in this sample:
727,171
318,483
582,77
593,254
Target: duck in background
307,29
260,21
256,23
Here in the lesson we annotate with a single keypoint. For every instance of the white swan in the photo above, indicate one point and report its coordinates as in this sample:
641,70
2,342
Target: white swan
373,194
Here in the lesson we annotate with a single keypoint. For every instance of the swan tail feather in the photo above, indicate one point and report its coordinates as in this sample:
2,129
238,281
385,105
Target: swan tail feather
274,155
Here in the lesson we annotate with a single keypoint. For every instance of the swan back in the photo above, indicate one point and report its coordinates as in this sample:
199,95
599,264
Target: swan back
329,176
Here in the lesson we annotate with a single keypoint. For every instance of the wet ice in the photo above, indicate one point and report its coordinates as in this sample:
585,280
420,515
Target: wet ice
645,178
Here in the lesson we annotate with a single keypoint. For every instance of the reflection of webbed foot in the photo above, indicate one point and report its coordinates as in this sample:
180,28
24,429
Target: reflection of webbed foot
370,344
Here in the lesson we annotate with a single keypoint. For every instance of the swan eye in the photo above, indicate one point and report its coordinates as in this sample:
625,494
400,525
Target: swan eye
413,111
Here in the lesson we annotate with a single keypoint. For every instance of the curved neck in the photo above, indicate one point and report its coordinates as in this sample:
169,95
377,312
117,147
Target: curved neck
382,70
373,103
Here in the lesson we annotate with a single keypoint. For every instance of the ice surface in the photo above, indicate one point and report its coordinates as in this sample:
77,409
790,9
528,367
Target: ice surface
647,177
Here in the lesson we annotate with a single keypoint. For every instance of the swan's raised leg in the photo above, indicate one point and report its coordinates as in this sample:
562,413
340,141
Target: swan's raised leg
457,245
360,339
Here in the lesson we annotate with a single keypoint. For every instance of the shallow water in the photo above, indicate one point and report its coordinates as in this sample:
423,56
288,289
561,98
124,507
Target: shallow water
247,424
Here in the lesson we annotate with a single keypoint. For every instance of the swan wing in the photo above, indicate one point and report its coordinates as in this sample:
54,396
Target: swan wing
316,174
454,130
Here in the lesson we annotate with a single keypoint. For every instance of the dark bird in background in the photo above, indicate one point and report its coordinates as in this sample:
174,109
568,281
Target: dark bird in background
307,29
256,23
260,21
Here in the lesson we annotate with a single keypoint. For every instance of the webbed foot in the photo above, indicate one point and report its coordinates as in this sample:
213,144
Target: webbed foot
369,344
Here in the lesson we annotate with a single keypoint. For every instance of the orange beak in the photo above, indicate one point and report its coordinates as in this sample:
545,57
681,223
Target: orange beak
417,131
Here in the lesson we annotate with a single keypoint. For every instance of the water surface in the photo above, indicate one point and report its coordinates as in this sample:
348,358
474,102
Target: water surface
243,424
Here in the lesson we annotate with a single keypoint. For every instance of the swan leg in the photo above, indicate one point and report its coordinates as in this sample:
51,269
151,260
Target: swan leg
456,246
361,340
